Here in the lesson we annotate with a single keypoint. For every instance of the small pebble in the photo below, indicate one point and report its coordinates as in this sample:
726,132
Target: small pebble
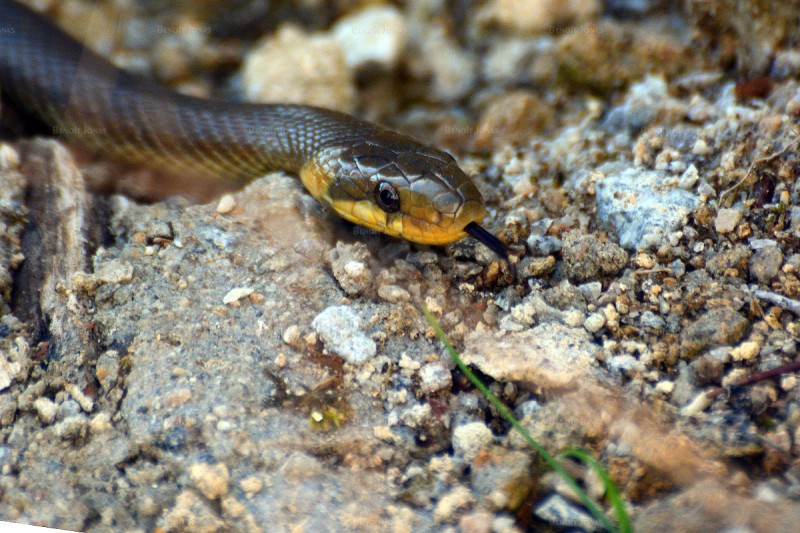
746,351
100,423
469,439
709,368
476,522
251,485
644,260
338,327
689,178
115,271
68,407
542,245
765,264
545,15
72,427
452,68
452,502
591,291
393,294
86,403
642,212
291,335
349,263
716,327
210,480
46,409
356,269
373,35
9,158
651,320
586,257
234,295
698,405
727,220
434,377
292,66
665,387
625,364
524,313
574,318
9,370
504,524
594,322
223,426
226,204
556,510
677,268
786,63
535,267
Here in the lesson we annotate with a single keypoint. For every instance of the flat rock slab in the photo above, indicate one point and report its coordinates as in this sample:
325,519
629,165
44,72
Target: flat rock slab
550,355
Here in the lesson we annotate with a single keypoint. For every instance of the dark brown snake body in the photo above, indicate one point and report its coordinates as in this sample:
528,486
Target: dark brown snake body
367,174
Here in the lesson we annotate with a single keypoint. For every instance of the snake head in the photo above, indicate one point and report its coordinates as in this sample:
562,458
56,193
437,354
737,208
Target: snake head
406,190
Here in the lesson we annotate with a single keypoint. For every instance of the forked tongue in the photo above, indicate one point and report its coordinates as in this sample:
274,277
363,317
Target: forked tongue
483,236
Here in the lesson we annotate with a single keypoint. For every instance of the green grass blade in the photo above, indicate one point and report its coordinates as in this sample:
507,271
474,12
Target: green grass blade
505,413
611,488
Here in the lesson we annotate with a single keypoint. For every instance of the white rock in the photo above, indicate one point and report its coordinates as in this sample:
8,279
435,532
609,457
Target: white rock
469,439
727,220
454,71
746,351
393,293
558,511
434,377
338,327
9,158
234,295
555,16
292,66
594,322
700,147
8,371
226,204
696,406
46,409
291,335
376,34
356,270
665,387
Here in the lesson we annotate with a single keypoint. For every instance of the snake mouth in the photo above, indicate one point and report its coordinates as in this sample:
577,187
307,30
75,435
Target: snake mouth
487,238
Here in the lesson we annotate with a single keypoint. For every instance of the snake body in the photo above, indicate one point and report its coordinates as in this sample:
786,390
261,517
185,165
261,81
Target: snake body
367,174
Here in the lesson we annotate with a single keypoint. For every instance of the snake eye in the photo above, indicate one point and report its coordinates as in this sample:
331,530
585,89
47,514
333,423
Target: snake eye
387,198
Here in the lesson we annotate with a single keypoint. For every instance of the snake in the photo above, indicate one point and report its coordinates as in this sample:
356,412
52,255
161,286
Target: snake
365,173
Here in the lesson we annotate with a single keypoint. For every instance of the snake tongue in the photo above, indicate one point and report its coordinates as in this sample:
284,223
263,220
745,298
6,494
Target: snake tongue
481,235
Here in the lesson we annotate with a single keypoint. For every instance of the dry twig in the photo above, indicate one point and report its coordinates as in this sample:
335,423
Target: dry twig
758,161
779,300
